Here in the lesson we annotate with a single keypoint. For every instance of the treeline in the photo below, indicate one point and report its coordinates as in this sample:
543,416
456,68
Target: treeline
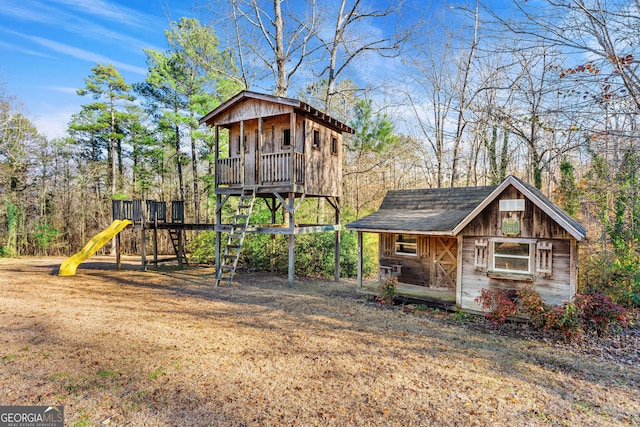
453,97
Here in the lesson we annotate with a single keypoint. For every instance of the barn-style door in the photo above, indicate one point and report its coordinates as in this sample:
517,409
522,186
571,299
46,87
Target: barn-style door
443,271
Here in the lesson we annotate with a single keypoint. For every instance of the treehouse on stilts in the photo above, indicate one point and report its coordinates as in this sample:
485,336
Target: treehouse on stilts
280,150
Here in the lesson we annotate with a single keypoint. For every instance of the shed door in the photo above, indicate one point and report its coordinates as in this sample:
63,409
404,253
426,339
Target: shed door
250,169
445,251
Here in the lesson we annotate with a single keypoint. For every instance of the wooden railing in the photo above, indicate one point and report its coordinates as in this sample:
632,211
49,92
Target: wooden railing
274,168
299,167
229,171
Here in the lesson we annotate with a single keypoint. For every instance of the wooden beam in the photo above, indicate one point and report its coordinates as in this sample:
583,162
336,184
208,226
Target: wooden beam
336,262
284,203
292,161
292,240
359,259
258,163
117,242
216,140
242,152
220,202
218,234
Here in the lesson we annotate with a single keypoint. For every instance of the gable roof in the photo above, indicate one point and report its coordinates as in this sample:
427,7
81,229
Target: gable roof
298,106
446,211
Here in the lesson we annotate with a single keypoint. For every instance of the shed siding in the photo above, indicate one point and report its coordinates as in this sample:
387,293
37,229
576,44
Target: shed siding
553,288
534,223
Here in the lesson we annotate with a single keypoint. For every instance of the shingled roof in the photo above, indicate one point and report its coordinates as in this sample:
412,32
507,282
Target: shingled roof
433,210
446,211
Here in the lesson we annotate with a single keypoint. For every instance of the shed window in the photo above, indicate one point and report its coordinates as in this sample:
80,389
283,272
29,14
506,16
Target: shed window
316,139
286,138
512,256
406,244
543,258
480,262
334,145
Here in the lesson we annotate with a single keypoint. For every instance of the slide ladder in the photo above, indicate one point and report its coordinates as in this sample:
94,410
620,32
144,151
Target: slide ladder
231,255
178,242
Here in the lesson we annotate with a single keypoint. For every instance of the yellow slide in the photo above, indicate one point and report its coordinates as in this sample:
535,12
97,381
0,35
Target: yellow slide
68,267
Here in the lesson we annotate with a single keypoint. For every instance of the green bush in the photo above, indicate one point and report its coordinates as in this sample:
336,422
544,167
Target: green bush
615,276
314,253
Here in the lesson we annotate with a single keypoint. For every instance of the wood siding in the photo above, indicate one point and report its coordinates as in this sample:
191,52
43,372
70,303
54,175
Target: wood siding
534,223
554,288
434,266
251,109
323,169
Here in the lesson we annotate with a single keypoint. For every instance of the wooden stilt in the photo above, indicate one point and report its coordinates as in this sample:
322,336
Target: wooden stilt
336,266
117,242
272,259
218,234
155,245
359,259
143,249
292,239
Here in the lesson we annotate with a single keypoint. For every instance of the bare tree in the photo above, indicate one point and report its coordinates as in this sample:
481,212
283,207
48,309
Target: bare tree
276,34
350,40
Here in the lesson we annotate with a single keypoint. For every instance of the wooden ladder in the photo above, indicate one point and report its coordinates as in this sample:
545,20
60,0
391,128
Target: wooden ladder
176,236
238,230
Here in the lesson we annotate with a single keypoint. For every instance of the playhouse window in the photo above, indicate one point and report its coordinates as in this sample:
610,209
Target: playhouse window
512,256
316,139
286,138
406,244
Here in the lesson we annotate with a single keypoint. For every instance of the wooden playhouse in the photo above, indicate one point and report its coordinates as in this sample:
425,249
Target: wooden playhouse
278,150
444,245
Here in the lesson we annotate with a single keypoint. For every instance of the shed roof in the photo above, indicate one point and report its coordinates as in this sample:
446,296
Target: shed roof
446,211
296,105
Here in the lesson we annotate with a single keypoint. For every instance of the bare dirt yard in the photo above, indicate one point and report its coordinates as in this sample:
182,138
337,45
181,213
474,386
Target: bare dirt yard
165,348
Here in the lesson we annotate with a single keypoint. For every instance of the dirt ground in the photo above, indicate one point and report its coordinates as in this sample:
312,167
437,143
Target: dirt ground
165,348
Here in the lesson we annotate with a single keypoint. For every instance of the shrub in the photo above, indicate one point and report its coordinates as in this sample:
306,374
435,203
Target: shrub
387,291
566,318
499,305
595,312
600,313
615,275
533,306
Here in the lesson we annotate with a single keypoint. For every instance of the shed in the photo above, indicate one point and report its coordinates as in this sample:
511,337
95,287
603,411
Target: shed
446,244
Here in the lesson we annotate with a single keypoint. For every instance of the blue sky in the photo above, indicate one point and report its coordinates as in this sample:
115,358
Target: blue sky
47,48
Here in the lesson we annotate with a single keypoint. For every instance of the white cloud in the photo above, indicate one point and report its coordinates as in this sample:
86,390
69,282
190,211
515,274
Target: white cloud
62,89
22,49
53,124
82,54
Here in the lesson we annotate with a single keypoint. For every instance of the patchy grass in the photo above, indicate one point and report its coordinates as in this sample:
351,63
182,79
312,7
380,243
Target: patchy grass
166,348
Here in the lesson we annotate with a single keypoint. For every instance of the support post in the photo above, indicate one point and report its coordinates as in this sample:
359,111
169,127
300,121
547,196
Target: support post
143,248
180,247
272,259
359,259
218,233
292,239
336,266
117,242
